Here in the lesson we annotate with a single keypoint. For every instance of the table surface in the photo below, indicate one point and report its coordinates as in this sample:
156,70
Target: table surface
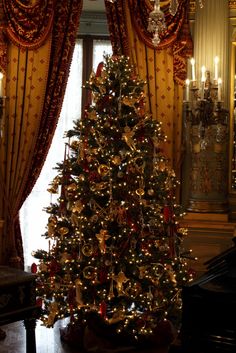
12,276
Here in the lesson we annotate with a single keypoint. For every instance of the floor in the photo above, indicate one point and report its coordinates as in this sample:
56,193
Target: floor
48,341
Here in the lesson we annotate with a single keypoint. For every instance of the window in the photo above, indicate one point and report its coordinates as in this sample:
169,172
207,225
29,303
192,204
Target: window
33,218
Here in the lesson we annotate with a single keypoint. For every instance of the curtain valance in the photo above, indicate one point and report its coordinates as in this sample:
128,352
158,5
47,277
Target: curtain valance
28,23
141,9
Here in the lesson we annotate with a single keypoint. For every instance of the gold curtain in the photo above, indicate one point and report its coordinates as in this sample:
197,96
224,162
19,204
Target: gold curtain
41,37
164,68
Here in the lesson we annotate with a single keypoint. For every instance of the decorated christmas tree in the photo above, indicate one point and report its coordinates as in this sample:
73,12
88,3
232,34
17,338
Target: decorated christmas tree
116,248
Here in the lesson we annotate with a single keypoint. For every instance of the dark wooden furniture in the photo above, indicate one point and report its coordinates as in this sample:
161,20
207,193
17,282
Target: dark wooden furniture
18,301
209,307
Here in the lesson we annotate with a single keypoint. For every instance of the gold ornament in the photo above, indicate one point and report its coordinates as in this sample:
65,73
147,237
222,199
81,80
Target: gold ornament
120,174
78,291
116,317
129,101
94,218
81,177
92,115
53,311
102,236
43,267
75,144
103,169
52,222
128,138
116,160
63,230
120,280
140,191
150,192
99,186
72,187
89,272
64,258
77,207
53,189
87,249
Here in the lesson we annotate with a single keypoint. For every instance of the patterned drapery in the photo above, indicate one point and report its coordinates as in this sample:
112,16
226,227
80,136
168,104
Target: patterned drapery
164,68
29,22
37,70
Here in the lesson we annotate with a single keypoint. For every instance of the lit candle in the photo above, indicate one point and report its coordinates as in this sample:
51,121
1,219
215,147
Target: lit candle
203,69
219,88
216,61
193,69
187,82
1,78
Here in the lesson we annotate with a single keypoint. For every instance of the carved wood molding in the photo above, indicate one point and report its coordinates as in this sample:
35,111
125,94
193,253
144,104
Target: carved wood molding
232,4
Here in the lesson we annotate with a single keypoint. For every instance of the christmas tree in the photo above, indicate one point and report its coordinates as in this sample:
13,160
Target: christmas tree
116,247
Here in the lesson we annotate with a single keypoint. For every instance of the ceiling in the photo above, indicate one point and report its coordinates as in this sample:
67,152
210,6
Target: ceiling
93,5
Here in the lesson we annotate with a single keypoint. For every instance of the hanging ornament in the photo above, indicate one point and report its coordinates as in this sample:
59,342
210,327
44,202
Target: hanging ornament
116,160
74,220
92,115
89,272
111,290
77,207
120,175
99,186
71,188
167,214
87,249
103,170
94,218
63,231
43,267
53,311
140,191
34,268
127,136
129,101
51,226
103,309
133,289
151,192
74,145
120,279
171,274
143,271
149,294
102,237
117,317
158,269
81,177
65,257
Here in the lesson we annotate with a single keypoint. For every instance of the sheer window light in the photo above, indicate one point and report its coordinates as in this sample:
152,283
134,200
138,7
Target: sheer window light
32,216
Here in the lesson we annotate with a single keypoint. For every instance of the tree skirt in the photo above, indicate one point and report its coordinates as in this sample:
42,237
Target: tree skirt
98,338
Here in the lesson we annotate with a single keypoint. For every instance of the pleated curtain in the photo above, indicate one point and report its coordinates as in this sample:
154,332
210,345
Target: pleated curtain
37,42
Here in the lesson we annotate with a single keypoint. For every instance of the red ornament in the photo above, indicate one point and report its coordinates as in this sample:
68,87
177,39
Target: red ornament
39,302
34,268
192,272
167,214
103,309
103,276
99,69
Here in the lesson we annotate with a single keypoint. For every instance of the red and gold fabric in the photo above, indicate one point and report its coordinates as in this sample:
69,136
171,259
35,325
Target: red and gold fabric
164,68
41,37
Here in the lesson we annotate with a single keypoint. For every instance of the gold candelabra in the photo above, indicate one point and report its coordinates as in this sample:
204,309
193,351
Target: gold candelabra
206,146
